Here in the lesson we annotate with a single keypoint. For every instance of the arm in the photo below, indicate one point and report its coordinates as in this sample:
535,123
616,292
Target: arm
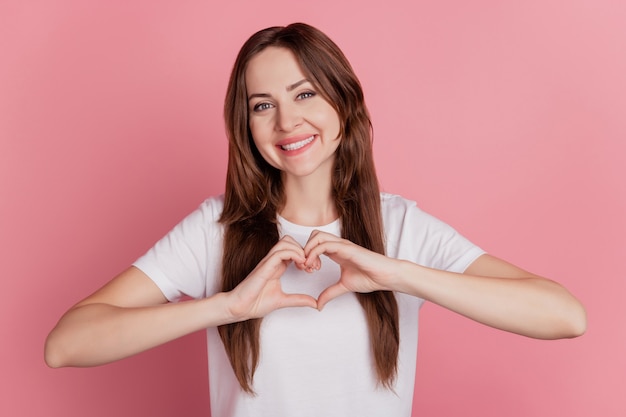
130,313
125,317
501,295
491,291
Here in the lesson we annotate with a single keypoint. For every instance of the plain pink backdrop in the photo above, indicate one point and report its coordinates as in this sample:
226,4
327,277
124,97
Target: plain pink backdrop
505,119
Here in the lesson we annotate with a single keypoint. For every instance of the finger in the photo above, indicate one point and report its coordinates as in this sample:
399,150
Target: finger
312,263
314,248
298,300
286,242
290,240
317,238
332,249
329,294
279,259
303,267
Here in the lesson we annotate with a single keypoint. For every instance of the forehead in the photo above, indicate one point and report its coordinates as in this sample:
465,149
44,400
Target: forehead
272,68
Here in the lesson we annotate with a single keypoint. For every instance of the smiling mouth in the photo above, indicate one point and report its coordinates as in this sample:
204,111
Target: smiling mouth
297,145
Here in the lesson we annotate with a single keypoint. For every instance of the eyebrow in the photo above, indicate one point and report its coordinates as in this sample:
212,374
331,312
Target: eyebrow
289,88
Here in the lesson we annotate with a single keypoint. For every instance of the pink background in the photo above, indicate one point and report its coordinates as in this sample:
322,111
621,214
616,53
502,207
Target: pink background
506,119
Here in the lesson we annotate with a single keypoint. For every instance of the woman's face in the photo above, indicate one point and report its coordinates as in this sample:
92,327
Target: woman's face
294,128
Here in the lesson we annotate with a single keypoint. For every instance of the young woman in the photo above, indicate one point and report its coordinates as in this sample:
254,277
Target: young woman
308,279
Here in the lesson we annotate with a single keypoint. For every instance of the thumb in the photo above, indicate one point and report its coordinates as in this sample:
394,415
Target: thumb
298,300
329,294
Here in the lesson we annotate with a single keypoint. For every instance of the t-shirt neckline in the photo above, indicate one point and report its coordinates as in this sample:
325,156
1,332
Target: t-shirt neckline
288,227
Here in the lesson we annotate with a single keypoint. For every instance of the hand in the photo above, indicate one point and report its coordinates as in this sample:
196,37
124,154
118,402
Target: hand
361,269
261,293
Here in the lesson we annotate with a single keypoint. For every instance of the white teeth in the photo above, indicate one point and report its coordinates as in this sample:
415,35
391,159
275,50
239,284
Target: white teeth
297,145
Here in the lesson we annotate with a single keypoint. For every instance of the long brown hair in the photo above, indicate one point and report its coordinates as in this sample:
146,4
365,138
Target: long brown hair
254,192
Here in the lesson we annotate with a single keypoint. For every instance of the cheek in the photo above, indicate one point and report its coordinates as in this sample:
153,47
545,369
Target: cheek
259,129
334,126
329,118
256,134
253,127
254,131
260,141
334,121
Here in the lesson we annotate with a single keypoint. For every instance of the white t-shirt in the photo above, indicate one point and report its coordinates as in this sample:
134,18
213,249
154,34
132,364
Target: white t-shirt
311,363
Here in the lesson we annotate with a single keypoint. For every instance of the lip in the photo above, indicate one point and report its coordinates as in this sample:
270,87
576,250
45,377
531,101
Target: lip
294,140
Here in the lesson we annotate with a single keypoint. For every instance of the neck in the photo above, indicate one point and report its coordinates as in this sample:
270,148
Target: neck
308,200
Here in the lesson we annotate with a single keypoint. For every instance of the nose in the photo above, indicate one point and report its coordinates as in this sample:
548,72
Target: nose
288,117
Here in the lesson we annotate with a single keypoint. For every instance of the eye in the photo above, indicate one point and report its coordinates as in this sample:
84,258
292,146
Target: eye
305,95
262,106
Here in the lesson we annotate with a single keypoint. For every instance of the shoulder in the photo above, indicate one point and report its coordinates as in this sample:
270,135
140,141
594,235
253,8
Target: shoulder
400,212
212,206
203,220
418,236
208,211
403,219
389,200
396,207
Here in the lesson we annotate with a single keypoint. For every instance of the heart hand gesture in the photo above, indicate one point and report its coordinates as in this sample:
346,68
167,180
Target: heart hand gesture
362,270
261,293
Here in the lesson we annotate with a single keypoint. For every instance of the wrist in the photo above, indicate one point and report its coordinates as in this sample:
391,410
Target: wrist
402,275
221,305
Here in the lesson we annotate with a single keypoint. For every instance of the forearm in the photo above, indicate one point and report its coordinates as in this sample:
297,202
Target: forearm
530,306
94,334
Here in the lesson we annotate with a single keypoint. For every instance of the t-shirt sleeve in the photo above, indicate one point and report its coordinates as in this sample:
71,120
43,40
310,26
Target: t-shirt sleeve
415,235
183,262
